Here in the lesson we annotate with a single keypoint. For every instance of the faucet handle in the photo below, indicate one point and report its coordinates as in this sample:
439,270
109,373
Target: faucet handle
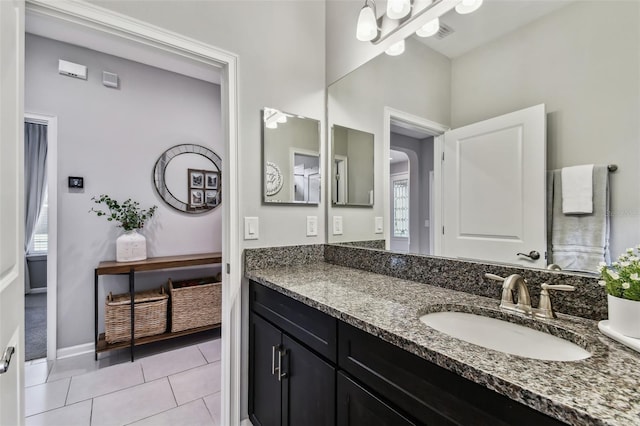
561,287
545,310
494,277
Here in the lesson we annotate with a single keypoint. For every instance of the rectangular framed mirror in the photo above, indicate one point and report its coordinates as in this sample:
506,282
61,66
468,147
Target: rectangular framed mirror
352,165
291,158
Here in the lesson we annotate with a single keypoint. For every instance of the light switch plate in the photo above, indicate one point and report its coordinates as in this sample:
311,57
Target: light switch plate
379,225
251,228
312,226
337,225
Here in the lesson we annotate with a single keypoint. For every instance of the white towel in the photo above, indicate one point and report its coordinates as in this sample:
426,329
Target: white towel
577,189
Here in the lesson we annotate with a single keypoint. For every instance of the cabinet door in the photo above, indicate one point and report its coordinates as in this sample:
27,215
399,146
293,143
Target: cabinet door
265,399
359,407
309,387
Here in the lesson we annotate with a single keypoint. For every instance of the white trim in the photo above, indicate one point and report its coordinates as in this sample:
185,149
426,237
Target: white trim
39,290
436,129
70,351
52,230
136,31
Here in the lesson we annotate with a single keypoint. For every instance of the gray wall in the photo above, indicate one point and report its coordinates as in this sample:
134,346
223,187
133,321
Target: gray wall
112,137
587,74
281,50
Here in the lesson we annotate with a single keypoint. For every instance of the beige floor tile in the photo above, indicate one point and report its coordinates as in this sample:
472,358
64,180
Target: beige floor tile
192,414
213,404
45,397
211,350
71,415
132,404
104,381
196,383
167,363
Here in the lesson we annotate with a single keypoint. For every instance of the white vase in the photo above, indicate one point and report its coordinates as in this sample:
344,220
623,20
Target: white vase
624,316
131,246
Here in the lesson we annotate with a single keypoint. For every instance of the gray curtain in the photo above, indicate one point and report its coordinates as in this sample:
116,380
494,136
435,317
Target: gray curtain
35,181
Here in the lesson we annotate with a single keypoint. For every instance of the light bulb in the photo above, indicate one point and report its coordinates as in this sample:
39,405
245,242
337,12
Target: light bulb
395,49
468,6
397,9
271,125
367,28
282,118
430,28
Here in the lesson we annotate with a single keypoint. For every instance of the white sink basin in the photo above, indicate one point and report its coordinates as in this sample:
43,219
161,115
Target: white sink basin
504,336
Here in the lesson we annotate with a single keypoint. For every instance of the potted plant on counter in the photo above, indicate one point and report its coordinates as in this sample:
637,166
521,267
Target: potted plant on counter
131,245
622,282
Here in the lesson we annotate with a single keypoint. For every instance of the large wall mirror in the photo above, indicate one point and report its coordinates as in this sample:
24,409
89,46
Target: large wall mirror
291,158
505,57
352,154
188,177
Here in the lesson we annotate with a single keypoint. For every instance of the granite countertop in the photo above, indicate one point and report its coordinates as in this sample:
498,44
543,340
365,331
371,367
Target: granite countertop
600,390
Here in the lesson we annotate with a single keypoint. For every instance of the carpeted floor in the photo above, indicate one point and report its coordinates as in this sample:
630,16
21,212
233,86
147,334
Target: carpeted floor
35,331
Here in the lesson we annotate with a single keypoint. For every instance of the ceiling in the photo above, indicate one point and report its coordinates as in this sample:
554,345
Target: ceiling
494,19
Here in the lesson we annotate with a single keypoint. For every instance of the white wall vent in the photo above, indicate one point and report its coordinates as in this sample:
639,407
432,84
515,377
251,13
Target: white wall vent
110,79
444,31
72,70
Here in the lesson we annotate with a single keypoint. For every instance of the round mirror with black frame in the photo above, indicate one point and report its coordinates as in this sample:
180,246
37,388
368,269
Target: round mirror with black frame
188,177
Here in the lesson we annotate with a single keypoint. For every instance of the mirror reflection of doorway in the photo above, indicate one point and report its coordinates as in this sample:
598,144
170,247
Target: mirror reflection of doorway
306,177
399,167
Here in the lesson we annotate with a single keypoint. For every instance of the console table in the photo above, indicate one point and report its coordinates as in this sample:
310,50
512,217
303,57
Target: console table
130,269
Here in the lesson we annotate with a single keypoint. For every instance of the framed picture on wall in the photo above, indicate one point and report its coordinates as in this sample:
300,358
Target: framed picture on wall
196,197
211,198
196,178
211,180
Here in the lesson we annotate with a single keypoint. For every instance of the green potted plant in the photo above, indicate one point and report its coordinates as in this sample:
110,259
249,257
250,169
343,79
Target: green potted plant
621,280
131,245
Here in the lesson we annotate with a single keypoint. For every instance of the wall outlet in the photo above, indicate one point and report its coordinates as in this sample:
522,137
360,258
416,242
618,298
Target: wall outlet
379,225
337,225
312,226
251,228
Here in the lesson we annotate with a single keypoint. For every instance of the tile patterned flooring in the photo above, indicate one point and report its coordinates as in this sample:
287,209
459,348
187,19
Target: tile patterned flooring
176,387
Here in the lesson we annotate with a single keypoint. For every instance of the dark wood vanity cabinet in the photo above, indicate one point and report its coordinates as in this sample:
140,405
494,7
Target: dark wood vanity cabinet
333,373
291,382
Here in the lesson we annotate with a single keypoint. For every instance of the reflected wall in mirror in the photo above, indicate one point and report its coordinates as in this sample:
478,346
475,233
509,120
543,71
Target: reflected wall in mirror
291,158
547,53
188,177
352,162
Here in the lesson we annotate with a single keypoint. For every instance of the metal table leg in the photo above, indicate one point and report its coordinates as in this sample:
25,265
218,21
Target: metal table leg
95,310
133,316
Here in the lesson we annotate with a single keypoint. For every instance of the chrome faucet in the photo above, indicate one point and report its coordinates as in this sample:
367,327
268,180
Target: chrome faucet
516,283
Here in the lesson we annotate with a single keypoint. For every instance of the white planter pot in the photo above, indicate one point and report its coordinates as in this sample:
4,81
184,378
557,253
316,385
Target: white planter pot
131,246
624,316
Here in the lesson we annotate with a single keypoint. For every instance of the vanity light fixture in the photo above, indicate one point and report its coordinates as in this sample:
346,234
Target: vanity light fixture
468,6
404,17
367,28
273,117
430,28
395,49
398,9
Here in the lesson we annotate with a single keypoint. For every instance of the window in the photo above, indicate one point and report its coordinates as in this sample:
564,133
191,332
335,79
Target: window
401,208
40,241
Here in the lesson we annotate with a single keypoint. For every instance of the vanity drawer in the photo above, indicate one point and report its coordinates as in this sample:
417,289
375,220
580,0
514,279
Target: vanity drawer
429,393
311,327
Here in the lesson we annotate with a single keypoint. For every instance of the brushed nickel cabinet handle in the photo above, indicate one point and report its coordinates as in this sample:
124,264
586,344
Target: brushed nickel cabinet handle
6,359
274,348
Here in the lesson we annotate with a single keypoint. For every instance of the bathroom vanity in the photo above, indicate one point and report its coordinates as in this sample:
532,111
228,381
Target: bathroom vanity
336,345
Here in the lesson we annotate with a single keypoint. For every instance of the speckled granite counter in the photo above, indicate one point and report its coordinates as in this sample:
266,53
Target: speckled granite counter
601,390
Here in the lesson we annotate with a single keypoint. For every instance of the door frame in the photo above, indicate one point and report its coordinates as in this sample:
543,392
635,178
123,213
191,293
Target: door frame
52,229
392,114
107,22
393,177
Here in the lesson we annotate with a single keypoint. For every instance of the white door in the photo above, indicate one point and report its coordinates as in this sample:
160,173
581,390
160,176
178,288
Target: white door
11,210
494,189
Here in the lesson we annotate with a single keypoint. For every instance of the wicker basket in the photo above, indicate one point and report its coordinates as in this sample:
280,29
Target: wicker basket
150,312
195,303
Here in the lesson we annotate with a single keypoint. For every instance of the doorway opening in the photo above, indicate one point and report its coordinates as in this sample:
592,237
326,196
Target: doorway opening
40,141
413,145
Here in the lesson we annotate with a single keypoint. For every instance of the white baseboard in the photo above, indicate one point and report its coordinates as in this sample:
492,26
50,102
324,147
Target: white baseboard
70,351
246,422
